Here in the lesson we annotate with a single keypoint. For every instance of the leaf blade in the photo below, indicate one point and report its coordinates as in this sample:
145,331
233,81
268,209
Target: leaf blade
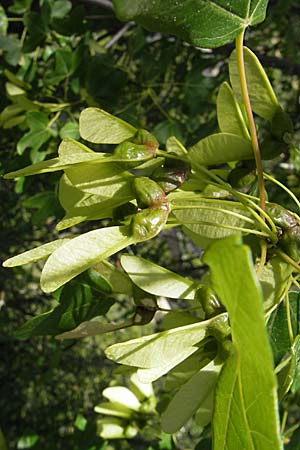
249,373
86,250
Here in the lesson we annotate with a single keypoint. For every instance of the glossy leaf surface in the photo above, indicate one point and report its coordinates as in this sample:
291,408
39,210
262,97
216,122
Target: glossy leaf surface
246,390
202,23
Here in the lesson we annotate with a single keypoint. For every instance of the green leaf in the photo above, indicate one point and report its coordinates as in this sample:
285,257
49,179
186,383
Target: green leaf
100,127
246,391
287,377
3,445
86,250
123,396
70,130
80,422
202,23
35,254
3,22
274,279
113,409
9,113
81,206
50,165
158,353
278,326
212,218
157,280
119,281
70,153
263,99
189,398
27,441
39,132
166,129
60,9
92,327
220,148
78,302
107,180
230,117
73,152
173,145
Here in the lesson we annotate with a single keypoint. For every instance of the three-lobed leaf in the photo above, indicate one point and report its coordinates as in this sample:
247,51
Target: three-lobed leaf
200,22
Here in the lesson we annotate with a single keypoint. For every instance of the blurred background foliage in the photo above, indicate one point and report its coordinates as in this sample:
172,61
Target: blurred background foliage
56,58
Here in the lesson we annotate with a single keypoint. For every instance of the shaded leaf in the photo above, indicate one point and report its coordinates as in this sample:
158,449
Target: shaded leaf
39,132
278,326
263,99
274,279
78,302
189,398
200,22
220,148
230,117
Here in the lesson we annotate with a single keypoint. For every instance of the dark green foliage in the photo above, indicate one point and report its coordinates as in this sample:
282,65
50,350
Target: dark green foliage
59,58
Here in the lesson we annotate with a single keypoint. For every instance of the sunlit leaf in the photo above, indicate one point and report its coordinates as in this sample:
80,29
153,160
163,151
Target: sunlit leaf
158,353
113,409
157,280
41,252
212,218
86,250
72,152
246,390
107,180
100,127
123,396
